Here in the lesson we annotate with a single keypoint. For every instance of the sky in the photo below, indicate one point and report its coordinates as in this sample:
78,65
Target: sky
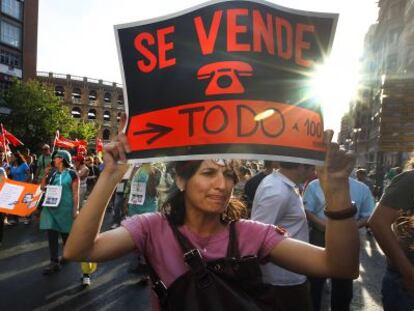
77,37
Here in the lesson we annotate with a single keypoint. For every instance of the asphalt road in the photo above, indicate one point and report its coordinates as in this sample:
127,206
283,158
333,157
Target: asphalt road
24,254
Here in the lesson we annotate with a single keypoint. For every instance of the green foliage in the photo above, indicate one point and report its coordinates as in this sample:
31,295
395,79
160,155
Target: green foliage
82,130
37,113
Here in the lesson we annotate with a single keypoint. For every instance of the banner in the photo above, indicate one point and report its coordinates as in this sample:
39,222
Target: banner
226,79
18,198
64,143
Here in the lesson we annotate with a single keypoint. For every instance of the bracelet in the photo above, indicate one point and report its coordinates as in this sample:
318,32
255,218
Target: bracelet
343,213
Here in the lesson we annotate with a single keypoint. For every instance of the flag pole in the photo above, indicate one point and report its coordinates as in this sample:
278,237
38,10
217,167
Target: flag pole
4,142
54,141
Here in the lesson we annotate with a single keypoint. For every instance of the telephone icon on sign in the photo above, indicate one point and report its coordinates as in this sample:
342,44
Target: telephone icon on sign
225,77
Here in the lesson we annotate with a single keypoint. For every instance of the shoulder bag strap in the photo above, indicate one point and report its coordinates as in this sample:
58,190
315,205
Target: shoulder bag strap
233,249
158,285
186,246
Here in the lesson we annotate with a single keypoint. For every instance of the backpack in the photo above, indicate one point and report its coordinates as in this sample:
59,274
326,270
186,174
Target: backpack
230,283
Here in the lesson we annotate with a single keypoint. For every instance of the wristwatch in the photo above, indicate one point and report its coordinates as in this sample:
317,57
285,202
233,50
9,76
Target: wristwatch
343,213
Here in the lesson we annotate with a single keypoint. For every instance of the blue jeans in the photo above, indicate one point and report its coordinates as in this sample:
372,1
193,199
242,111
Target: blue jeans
394,295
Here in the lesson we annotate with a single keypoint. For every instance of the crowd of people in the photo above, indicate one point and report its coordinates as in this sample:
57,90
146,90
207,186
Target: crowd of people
289,226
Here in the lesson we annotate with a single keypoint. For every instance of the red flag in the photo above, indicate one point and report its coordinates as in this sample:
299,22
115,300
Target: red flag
99,145
10,138
83,143
65,143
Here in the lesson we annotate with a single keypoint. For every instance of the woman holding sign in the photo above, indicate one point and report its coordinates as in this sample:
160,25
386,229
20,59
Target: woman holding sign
202,258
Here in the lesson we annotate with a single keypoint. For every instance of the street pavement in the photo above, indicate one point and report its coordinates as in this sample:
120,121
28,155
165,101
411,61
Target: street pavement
24,254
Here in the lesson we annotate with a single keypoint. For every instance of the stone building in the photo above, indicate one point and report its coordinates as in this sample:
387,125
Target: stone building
383,113
89,99
18,41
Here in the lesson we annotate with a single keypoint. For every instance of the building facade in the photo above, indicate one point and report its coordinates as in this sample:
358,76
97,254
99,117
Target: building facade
91,100
382,115
18,40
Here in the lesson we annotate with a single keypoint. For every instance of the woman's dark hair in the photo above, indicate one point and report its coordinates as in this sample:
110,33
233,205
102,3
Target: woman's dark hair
174,206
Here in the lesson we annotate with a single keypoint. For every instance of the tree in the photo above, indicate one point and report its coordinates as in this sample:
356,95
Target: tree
82,130
37,113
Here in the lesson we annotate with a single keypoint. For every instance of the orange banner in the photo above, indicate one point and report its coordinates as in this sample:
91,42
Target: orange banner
18,198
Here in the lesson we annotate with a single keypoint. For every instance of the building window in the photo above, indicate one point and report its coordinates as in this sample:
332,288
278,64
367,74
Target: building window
76,113
12,8
76,92
10,34
10,59
92,95
120,100
106,134
92,114
107,97
59,91
107,116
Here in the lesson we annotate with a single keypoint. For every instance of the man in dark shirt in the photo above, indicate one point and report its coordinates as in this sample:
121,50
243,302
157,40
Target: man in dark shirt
393,226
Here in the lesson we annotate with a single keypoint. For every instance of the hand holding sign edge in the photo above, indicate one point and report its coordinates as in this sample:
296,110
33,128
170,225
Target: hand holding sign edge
116,151
338,165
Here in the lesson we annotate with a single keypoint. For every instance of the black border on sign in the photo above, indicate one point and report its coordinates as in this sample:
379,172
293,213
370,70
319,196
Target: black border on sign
261,151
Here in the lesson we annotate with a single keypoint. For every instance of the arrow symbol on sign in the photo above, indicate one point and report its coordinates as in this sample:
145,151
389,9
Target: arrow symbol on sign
154,128
296,126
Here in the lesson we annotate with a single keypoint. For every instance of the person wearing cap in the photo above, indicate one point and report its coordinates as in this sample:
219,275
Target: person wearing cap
60,205
44,160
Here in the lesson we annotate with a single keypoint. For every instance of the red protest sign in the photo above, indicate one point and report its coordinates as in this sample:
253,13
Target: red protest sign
18,198
229,78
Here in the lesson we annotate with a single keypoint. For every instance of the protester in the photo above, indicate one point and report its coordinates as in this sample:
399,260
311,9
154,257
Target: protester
251,185
118,202
278,202
361,175
98,162
141,197
392,224
93,173
239,187
19,171
315,203
3,176
198,211
61,207
83,172
44,160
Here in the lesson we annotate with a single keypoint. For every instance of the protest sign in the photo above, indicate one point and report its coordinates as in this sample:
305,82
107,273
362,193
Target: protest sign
226,79
18,198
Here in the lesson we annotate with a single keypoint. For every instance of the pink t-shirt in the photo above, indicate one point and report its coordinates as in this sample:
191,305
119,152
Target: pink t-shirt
154,238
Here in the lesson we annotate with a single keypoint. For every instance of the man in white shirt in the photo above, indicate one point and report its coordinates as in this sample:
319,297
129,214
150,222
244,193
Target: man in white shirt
278,201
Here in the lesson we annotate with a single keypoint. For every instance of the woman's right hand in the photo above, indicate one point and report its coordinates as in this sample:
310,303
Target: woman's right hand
116,151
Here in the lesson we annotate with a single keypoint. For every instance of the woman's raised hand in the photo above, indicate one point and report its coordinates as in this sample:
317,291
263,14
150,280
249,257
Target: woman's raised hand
116,151
337,167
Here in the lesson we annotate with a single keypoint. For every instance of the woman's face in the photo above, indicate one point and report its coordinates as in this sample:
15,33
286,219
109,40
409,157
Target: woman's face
209,189
57,160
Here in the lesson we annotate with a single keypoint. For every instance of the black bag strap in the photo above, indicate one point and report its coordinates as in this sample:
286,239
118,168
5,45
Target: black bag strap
185,244
233,248
158,285
193,258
